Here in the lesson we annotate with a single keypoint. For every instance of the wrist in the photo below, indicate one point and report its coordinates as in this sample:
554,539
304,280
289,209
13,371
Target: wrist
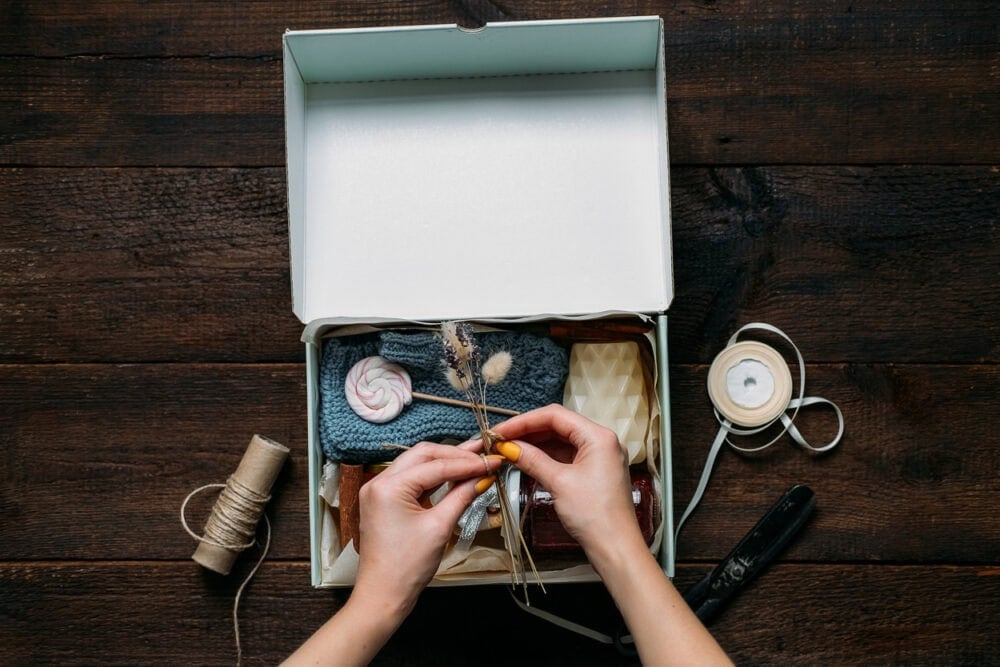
379,588
618,559
356,633
381,608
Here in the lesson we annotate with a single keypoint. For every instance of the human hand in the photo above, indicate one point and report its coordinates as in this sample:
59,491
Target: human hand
403,540
592,493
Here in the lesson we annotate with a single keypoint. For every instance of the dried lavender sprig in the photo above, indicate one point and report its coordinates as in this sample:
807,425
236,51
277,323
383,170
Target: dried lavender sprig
464,356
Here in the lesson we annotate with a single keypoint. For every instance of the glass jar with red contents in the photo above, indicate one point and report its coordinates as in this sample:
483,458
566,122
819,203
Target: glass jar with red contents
544,532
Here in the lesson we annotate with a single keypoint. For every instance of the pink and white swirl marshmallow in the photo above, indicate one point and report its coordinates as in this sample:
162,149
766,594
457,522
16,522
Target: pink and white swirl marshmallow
377,389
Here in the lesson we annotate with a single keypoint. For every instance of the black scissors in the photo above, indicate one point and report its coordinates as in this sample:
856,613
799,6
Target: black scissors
755,551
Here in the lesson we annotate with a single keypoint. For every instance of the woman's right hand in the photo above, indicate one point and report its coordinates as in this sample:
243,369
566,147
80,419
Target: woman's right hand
592,494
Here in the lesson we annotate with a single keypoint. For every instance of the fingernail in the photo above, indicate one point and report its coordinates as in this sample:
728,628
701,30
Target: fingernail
496,456
485,483
510,450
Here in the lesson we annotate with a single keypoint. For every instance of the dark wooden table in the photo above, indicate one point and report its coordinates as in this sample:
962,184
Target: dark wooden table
834,172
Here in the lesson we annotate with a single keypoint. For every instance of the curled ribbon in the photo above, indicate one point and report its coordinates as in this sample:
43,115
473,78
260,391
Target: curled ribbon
750,387
473,519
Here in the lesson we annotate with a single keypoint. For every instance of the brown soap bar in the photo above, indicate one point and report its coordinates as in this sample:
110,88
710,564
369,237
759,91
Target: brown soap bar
351,479
609,330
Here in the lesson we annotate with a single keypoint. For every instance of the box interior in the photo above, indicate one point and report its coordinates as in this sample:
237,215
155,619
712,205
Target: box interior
440,174
326,519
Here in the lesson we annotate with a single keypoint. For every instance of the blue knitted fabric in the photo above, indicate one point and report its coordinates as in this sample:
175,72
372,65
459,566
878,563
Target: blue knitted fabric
536,378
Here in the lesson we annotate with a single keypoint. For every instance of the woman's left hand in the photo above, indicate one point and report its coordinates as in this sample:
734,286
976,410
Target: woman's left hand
402,542
402,537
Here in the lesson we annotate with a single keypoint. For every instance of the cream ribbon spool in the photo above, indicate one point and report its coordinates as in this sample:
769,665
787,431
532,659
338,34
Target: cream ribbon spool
750,387
750,384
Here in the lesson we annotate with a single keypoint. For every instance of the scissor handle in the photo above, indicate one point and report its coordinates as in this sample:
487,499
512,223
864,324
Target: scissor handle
772,533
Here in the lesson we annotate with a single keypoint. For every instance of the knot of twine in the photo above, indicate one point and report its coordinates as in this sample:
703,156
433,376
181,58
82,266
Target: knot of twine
233,526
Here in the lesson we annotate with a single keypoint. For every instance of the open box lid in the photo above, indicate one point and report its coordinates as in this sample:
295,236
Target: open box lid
516,171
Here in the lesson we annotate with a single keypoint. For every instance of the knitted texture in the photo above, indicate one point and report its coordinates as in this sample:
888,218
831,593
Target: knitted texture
535,379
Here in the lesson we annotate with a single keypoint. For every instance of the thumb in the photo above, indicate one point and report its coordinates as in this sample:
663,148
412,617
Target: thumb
456,501
530,460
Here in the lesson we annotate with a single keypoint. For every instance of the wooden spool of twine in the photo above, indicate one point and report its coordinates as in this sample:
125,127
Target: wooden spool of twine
232,526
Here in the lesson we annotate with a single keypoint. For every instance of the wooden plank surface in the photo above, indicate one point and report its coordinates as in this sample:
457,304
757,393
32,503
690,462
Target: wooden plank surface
189,28
858,264
751,84
97,459
834,172
794,614
145,265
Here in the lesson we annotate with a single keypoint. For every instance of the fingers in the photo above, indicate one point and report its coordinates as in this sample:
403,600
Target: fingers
433,473
531,460
456,500
427,451
471,445
540,426
566,424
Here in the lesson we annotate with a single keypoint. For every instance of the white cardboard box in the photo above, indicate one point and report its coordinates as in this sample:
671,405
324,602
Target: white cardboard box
513,173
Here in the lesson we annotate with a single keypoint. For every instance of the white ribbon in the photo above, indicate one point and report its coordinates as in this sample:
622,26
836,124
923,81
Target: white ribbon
727,427
562,622
474,516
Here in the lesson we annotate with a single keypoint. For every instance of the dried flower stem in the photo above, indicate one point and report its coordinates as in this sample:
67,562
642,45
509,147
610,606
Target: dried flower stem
464,357
465,404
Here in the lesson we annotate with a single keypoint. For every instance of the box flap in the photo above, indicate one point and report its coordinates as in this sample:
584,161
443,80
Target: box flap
518,170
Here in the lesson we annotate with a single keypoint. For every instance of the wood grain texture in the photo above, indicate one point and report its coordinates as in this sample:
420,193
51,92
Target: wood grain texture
196,29
901,487
136,265
97,458
801,614
189,28
857,264
146,328
791,82
94,111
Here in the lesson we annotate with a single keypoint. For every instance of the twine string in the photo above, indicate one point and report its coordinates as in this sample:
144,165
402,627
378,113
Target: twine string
233,526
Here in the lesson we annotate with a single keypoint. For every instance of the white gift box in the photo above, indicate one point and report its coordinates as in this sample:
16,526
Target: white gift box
513,173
